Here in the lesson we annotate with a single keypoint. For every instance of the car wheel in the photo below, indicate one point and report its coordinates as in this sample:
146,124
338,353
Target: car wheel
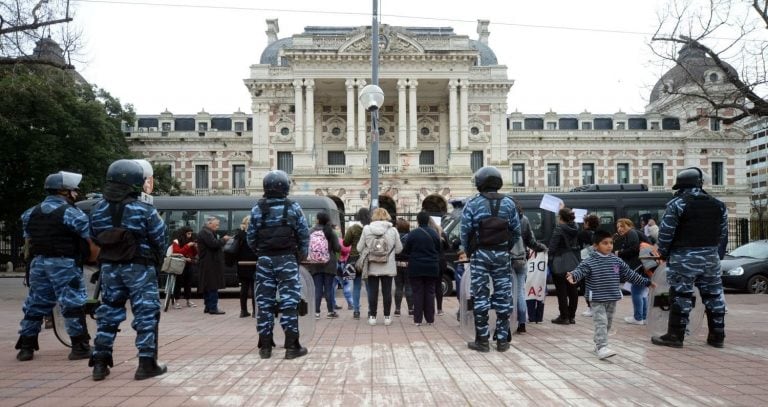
758,284
446,285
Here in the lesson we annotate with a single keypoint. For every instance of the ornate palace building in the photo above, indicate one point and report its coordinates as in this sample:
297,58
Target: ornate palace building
444,116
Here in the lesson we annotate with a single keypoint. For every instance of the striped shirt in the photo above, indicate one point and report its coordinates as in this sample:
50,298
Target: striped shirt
603,274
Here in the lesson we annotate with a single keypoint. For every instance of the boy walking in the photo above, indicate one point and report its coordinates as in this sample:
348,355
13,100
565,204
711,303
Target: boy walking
603,272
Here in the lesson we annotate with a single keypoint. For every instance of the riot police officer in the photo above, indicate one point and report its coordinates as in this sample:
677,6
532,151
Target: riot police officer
131,235
692,237
489,228
57,235
279,235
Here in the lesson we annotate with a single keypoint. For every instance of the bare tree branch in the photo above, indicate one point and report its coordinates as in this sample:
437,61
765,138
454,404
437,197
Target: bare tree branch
761,12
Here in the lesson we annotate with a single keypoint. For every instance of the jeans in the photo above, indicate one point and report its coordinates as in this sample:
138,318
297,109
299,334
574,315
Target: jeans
519,298
639,302
324,287
373,294
346,286
211,300
403,287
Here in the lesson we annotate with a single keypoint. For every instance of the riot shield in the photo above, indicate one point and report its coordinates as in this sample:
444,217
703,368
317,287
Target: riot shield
658,306
467,303
306,310
91,303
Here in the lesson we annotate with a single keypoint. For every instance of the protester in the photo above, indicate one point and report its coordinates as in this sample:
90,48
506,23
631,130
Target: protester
323,238
246,269
442,261
402,281
351,239
184,244
422,246
591,223
380,233
626,245
519,255
561,247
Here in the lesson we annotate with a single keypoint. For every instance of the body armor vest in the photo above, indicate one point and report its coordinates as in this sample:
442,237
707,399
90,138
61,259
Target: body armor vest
277,239
699,225
49,236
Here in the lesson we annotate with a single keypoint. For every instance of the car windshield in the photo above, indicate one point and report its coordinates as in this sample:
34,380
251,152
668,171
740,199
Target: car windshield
758,250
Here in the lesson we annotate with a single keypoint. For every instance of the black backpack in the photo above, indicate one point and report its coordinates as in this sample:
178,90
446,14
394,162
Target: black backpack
493,232
118,244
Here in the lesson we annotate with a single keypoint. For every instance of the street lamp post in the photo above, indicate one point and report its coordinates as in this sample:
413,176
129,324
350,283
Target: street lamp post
372,97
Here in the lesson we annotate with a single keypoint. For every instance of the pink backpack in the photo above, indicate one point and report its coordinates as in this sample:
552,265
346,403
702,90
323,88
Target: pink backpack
318,248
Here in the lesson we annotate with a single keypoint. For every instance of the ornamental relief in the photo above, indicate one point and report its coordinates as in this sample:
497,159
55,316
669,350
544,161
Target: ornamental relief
427,130
477,131
389,41
334,130
284,129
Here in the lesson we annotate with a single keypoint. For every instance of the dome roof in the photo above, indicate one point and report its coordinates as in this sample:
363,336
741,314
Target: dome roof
487,56
269,55
692,65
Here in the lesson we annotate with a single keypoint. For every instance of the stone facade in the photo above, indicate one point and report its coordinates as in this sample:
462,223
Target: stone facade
444,115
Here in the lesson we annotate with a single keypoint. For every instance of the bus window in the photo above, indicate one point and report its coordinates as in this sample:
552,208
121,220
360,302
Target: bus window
224,224
237,218
636,214
536,219
177,219
607,218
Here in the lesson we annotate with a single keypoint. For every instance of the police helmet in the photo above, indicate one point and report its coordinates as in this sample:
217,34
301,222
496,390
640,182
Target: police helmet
63,180
689,178
488,179
126,172
146,167
276,184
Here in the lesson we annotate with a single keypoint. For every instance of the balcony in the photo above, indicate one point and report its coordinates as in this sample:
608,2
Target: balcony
239,192
388,169
334,170
202,191
433,169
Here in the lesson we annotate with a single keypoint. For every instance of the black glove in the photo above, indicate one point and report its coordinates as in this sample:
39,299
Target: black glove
540,247
95,277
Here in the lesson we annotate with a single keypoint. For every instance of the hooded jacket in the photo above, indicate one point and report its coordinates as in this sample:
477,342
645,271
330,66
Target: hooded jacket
558,243
378,228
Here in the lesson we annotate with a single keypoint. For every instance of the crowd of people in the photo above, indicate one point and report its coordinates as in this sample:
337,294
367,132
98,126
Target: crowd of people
126,236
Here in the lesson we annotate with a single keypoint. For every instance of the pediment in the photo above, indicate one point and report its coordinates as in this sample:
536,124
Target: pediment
390,41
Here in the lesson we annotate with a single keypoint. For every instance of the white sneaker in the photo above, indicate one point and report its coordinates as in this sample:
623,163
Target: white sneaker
317,315
372,321
387,321
633,321
587,313
605,353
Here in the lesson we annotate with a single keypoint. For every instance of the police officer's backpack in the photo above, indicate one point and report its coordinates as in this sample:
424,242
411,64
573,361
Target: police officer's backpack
118,244
493,232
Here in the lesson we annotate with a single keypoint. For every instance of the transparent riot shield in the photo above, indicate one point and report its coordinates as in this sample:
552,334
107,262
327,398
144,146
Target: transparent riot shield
466,308
658,306
306,310
91,303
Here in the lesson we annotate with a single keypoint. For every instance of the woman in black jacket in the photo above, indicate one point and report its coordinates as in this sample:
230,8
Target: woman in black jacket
563,240
422,246
245,272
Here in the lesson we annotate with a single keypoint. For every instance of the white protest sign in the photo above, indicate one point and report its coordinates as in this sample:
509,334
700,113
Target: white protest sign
550,203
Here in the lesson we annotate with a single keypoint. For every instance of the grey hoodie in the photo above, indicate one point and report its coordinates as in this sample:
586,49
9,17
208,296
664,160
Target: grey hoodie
378,228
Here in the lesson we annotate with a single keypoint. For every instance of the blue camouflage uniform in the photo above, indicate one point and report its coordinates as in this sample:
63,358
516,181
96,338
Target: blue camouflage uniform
490,263
136,281
693,258
56,279
278,269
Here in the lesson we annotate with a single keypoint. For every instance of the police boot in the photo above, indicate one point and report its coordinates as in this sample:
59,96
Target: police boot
293,349
716,336
27,345
100,366
480,344
265,346
148,367
80,347
675,333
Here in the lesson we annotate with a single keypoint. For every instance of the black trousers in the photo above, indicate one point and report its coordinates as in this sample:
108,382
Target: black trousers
567,296
423,299
373,294
185,279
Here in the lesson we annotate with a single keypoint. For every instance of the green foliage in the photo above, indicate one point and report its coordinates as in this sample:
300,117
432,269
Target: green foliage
48,123
165,184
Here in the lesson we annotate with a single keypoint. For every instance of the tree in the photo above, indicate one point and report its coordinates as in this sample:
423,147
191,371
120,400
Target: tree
51,122
165,183
733,35
25,22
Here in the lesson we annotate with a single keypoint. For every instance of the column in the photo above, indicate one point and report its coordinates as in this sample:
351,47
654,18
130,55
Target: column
350,84
412,109
464,118
453,115
298,134
309,128
402,125
360,118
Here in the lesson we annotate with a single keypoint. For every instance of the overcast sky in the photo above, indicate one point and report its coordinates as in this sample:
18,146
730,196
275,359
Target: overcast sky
186,55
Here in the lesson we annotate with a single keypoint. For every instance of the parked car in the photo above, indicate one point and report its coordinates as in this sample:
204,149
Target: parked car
746,267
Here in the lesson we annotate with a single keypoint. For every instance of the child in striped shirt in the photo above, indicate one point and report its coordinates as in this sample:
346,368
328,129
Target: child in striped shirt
603,272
